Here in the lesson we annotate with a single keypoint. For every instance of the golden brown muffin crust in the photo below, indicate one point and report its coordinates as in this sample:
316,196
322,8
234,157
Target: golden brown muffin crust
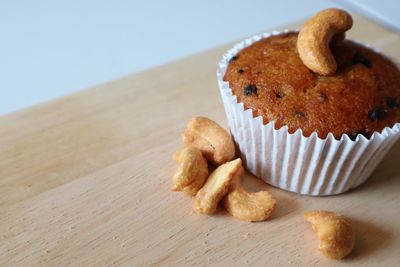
363,96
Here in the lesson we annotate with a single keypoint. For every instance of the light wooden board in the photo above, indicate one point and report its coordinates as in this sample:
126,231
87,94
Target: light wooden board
84,181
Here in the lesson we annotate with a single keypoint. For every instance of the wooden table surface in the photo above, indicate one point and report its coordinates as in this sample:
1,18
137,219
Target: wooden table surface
85,181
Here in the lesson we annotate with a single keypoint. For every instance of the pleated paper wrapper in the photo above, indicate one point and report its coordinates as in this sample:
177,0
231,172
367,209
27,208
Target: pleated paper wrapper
293,162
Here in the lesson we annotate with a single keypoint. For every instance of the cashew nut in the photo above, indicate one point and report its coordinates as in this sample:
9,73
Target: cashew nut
214,142
335,234
315,36
217,186
247,206
192,171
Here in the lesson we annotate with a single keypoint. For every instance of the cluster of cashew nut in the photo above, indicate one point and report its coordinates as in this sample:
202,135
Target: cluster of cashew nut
206,140
315,36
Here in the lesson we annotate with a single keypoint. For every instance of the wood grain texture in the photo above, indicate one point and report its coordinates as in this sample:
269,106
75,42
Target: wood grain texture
85,181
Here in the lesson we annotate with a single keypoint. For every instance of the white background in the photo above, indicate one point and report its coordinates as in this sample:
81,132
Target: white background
53,48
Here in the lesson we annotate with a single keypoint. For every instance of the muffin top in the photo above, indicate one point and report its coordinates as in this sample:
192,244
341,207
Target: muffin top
363,95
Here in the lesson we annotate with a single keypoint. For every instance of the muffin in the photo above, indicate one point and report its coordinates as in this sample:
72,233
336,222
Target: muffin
303,131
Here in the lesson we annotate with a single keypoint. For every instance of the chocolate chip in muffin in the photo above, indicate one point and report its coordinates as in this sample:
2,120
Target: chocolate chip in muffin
240,71
377,113
322,97
353,135
250,89
392,102
358,58
299,114
233,59
365,132
280,94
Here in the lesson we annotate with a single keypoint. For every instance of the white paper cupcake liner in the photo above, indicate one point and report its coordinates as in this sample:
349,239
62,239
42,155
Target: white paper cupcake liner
306,165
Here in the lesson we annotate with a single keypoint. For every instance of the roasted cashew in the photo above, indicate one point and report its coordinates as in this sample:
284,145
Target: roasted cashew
335,234
192,171
217,186
214,142
247,206
315,36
